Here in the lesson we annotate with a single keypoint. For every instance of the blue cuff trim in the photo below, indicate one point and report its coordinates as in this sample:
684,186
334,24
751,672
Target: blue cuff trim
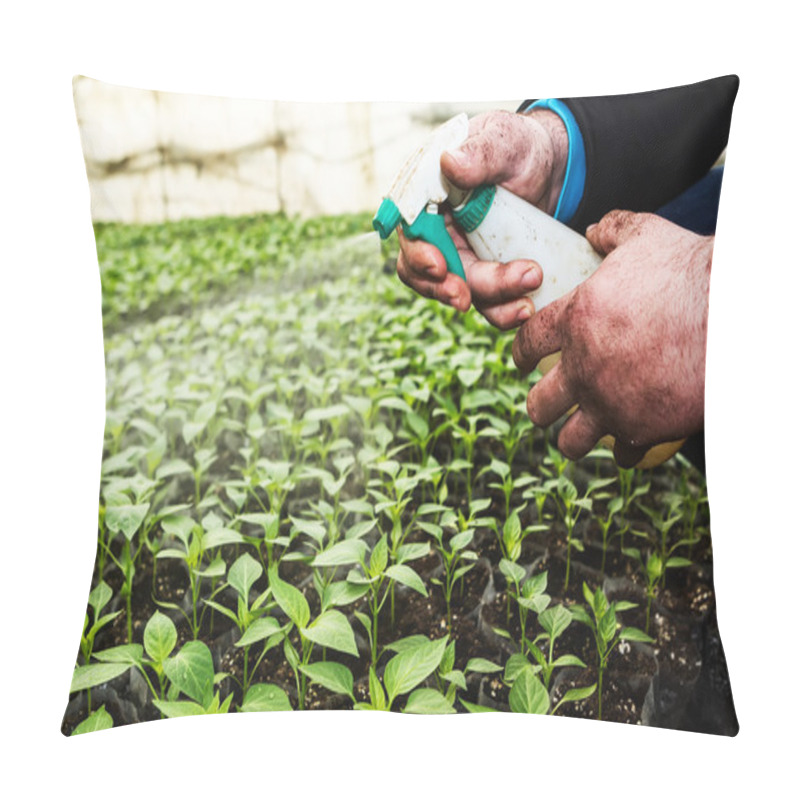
575,175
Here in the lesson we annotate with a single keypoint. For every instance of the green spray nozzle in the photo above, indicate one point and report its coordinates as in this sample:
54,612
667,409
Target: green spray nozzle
419,187
428,227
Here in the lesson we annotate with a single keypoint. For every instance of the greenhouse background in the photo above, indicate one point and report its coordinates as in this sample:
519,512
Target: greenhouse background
155,156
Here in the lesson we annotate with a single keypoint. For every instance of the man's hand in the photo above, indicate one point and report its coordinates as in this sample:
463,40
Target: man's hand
632,340
526,154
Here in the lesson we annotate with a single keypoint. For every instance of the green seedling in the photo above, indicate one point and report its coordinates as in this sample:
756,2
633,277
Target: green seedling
570,506
554,621
608,522
653,570
196,542
528,694
664,520
250,618
403,674
606,630
126,519
456,560
379,577
509,483
330,629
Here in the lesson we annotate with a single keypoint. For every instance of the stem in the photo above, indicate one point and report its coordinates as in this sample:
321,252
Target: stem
600,693
569,555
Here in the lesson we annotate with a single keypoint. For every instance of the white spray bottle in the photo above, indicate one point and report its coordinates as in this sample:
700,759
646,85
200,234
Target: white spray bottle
498,225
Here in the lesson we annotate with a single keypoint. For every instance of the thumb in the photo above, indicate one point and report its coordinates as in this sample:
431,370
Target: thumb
491,153
614,229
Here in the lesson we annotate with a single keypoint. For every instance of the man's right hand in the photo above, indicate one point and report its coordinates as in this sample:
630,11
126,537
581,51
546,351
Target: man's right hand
524,153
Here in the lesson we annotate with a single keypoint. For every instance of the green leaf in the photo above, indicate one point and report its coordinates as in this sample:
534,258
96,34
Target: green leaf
336,678
461,540
348,551
569,661
260,629
474,708
342,593
413,551
130,654
332,629
607,625
456,676
290,599
126,519
217,537
99,597
515,666
226,612
428,701
482,665
634,635
528,695
178,526
376,693
678,561
379,557
555,620
409,668
179,708
580,614
514,573
99,720
265,697
89,675
160,637
192,672
244,572
175,467
408,577
408,643
580,693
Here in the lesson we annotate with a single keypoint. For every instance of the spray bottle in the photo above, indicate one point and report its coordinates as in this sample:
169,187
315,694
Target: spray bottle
498,225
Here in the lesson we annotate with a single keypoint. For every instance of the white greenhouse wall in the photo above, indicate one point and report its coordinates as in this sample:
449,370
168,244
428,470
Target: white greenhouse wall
154,156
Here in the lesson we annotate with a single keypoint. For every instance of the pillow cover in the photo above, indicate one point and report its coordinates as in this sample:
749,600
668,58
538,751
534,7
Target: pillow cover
321,490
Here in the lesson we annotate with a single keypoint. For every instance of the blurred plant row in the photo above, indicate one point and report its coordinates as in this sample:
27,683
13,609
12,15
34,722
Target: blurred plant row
302,440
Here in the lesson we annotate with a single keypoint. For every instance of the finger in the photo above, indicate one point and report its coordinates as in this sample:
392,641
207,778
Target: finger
493,283
451,290
509,315
421,259
615,228
628,455
489,155
550,398
540,335
579,435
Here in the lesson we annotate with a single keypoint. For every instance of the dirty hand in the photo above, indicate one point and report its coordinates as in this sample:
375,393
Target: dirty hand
632,340
526,154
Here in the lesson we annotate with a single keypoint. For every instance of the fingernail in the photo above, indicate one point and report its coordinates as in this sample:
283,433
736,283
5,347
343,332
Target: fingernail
459,156
526,312
530,279
591,228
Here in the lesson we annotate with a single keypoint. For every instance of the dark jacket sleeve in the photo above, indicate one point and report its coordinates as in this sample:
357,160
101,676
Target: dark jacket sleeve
643,150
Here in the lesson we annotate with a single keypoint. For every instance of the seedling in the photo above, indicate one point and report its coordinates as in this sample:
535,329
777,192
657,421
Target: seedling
570,506
606,630
653,570
379,577
250,618
403,673
330,629
456,560
195,543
